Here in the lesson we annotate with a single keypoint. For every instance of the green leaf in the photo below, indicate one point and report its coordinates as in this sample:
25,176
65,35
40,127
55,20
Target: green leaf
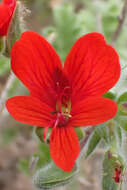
103,132
51,176
80,133
122,98
109,95
108,182
43,155
93,142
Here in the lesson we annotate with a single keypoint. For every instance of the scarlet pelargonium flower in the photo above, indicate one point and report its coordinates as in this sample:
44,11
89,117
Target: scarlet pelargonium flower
64,98
7,8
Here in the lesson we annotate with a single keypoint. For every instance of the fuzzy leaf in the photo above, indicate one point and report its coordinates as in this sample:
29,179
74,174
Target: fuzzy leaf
43,155
109,95
93,142
51,176
122,98
80,133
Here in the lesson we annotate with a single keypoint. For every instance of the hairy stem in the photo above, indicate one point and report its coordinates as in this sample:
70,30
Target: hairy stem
4,93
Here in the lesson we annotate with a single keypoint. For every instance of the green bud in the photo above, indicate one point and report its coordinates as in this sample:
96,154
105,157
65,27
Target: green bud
16,27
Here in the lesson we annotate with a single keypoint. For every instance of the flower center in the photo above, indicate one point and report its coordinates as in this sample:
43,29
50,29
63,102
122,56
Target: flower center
63,107
61,114
61,119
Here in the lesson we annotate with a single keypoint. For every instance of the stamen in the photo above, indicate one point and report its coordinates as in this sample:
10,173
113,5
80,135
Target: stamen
67,115
61,115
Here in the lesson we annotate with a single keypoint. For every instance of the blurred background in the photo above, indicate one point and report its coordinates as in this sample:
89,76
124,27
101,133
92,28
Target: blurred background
62,22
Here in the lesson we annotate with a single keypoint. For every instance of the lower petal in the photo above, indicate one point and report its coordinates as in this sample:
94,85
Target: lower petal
64,147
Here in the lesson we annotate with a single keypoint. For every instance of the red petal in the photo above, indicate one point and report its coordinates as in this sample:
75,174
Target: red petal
64,147
34,61
6,12
29,110
93,111
92,66
9,2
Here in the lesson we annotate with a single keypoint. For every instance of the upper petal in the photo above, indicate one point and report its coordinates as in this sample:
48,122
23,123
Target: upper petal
93,111
34,61
29,110
92,66
6,12
64,147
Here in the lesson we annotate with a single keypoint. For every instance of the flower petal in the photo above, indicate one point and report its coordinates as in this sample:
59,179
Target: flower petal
93,111
35,62
6,12
92,66
29,110
64,147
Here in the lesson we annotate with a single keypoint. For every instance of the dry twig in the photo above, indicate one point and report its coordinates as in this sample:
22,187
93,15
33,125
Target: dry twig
98,17
121,22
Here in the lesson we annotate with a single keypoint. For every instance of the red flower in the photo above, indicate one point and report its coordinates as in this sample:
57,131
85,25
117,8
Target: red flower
117,175
7,8
64,98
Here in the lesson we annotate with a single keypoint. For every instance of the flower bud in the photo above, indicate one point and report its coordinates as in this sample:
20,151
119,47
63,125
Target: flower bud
7,8
15,28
